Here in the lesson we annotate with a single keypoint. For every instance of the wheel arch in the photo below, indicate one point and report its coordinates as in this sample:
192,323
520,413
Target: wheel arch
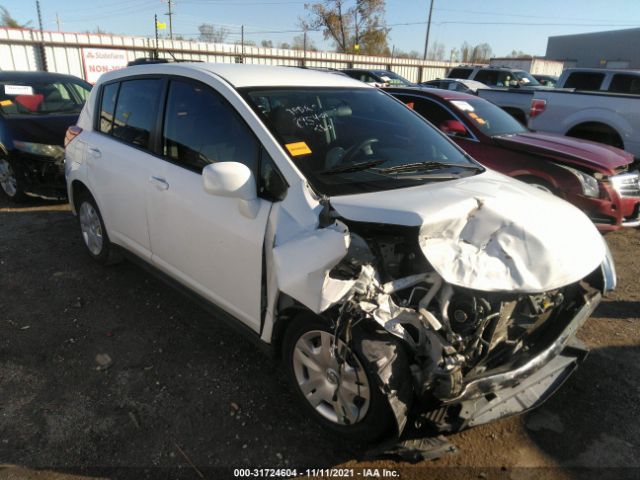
598,132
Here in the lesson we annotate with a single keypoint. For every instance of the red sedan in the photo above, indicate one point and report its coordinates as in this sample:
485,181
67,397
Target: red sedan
598,179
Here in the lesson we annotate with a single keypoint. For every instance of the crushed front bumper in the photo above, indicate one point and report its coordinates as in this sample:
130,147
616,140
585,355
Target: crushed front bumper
528,381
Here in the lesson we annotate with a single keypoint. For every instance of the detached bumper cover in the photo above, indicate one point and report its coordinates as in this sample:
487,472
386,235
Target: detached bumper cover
523,386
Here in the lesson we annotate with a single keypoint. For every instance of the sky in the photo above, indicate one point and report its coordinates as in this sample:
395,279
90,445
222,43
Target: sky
506,25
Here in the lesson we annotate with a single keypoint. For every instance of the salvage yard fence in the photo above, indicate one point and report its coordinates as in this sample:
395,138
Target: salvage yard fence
61,52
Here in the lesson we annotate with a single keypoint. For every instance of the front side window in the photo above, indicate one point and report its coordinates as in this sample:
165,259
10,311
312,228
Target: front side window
136,110
26,97
200,128
353,140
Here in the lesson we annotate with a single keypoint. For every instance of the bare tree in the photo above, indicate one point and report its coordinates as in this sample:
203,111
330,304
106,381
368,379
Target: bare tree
361,24
266,44
480,53
6,20
519,53
436,52
211,34
298,44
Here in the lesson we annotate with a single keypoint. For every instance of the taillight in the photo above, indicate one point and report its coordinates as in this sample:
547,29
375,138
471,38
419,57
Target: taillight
537,107
72,132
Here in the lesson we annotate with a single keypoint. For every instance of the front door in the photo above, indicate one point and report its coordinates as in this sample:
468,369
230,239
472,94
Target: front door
203,240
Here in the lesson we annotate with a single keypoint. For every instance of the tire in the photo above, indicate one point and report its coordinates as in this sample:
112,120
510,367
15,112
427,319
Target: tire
12,182
92,229
307,345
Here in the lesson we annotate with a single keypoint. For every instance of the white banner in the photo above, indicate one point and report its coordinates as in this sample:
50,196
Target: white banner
101,60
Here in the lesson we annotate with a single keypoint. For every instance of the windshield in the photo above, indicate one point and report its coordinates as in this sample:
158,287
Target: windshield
23,97
353,140
489,118
527,79
393,78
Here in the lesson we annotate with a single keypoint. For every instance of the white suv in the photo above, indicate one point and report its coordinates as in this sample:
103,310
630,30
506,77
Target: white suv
395,277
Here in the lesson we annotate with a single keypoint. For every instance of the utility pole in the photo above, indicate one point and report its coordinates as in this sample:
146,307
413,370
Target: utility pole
170,14
155,25
426,42
304,48
43,53
58,21
242,43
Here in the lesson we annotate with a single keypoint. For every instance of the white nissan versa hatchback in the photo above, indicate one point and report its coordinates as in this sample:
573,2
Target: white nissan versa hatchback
399,281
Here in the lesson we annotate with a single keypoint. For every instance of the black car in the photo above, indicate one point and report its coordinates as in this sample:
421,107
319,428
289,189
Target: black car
36,108
378,78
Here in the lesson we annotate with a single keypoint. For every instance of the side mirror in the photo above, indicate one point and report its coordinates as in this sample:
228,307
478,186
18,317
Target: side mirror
235,180
453,127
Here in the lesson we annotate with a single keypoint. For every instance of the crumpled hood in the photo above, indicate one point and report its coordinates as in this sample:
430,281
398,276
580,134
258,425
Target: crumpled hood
489,232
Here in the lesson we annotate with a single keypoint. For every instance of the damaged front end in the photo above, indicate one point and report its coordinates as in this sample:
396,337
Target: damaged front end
474,356
451,356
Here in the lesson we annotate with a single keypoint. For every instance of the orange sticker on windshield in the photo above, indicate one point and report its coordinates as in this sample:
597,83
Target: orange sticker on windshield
410,105
481,121
298,148
6,103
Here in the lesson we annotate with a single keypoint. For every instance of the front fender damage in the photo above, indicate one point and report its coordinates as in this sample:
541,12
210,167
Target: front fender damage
428,331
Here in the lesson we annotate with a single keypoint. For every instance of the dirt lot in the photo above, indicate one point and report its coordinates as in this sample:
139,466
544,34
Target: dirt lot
182,390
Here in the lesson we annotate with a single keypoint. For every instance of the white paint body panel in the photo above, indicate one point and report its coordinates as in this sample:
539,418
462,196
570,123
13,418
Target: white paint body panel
489,232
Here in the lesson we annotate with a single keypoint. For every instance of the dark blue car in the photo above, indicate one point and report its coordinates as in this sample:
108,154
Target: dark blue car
36,108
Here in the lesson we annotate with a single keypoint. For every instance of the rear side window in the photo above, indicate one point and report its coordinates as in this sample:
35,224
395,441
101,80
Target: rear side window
108,106
136,108
200,128
625,84
460,73
584,80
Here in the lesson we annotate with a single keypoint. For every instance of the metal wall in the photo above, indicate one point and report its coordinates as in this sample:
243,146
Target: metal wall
593,50
20,50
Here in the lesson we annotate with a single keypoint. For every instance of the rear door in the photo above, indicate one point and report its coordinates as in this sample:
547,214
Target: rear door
118,157
202,240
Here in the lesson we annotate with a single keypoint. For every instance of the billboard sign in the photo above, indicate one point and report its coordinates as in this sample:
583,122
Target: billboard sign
97,61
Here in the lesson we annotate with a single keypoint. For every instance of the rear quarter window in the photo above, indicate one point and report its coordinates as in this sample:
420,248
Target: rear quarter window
584,80
460,73
622,83
107,107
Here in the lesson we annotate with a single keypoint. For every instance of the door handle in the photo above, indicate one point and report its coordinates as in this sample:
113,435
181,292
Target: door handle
95,152
160,183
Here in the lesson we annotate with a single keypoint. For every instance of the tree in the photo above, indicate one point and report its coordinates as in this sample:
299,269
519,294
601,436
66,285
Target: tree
211,34
6,20
436,52
298,44
519,54
480,53
361,23
412,54
266,44
284,46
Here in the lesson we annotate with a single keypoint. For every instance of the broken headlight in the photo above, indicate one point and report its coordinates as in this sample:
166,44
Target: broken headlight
588,183
53,151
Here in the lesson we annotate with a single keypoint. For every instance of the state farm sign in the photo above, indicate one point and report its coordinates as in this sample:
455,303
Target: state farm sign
101,60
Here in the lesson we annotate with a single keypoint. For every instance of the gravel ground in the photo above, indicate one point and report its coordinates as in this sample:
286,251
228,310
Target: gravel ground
107,372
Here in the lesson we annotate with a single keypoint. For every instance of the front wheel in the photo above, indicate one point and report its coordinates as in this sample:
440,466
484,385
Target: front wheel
342,396
11,182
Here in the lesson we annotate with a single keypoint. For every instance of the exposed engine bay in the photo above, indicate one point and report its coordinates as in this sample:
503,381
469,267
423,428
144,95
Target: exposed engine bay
450,333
